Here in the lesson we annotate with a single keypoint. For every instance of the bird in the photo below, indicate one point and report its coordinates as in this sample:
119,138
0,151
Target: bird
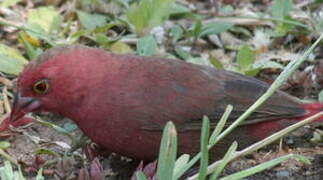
122,102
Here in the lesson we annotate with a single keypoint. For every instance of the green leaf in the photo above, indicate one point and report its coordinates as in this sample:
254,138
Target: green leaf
121,48
11,52
10,65
281,8
40,174
226,159
167,153
19,175
47,152
180,10
214,28
102,39
215,62
55,127
6,172
252,72
265,165
197,29
70,127
146,46
148,13
204,148
176,32
36,31
199,60
48,18
32,52
4,144
283,28
141,176
91,21
321,96
219,127
183,54
180,164
246,57
266,63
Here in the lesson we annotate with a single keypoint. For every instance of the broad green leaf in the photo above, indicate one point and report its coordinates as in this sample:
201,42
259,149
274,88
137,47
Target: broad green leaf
102,39
214,28
91,21
121,48
32,51
11,52
10,65
48,18
148,13
246,57
6,171
177,33
167,153
179,10
4,144
146,46
75,36
215,62
183,54
36,31
281,8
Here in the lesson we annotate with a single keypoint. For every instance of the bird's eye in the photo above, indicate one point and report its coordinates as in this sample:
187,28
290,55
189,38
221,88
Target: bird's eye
41,87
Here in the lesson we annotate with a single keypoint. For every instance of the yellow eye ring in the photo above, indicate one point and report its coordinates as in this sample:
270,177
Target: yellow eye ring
41,87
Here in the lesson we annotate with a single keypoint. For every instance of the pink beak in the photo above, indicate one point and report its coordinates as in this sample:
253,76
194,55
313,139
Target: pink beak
23,105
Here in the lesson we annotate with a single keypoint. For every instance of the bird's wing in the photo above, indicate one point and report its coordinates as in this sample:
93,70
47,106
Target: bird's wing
172,90
241,92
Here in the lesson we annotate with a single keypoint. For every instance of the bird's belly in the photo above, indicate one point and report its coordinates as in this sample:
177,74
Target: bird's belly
144,145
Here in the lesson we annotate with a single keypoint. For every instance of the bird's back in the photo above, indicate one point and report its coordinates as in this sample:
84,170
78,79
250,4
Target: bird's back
166,89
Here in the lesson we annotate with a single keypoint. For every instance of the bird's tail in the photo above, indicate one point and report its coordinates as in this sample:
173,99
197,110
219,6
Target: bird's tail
312,109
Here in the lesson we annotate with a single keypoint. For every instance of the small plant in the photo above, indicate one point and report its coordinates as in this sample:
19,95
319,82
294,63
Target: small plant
7,172
149,13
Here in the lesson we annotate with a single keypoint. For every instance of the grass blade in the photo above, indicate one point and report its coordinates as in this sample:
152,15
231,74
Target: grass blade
204,148
263,166
167,154
225,160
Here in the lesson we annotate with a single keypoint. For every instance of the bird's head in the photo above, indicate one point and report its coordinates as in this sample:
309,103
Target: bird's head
49,83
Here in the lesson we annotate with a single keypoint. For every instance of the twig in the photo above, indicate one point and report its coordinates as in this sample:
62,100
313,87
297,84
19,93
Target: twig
6,102
8,157
6,82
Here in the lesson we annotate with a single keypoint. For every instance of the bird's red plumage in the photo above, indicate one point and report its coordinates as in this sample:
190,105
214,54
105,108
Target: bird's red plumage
122,102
